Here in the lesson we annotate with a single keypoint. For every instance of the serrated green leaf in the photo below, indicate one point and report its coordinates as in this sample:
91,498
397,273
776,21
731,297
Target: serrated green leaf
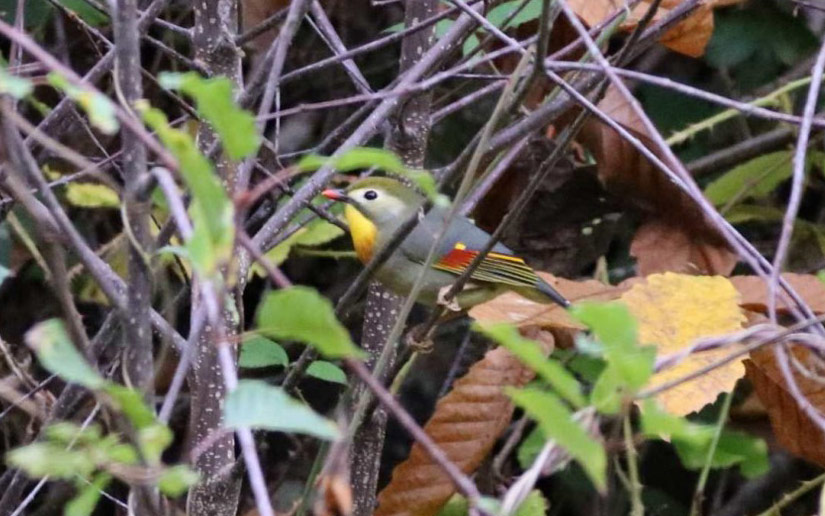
254,404
327,371
530,354
100,110
56,353
214,100
301,313
15,86
44,459
88,195
258,351
556,422
86,500
753,179
176,480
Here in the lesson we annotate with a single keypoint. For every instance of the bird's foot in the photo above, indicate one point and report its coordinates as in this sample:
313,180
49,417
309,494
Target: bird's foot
451,304
419,340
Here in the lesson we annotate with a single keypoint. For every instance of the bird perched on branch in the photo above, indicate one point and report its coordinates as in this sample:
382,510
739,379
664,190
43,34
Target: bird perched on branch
376,207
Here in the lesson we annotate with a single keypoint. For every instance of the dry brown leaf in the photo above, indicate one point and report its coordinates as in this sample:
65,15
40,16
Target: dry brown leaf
793,429
754,292
628,175
689,37
466,424
673,310
514,309
659,246
253,13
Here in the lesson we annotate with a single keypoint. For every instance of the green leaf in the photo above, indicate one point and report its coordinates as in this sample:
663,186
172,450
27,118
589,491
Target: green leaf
58,355
86,11
215,102
176,480
131,403
254,404
301,313
65,433
556,421
88,195
529,352
258,351
533,505
692,442
153,440
530,12
616,329
456,506
355,159
12,85
211,210
86,500
327,371
101,110
44,459
753,179
530,448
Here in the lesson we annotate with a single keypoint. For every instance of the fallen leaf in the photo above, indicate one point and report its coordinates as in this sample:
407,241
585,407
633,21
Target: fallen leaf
793,429
673,311
754,292
514,309
466,424
678,236
659,246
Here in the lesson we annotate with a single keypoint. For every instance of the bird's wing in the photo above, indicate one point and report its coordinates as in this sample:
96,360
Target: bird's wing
494,268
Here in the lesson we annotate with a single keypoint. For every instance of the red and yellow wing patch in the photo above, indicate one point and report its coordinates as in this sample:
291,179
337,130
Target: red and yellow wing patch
494,268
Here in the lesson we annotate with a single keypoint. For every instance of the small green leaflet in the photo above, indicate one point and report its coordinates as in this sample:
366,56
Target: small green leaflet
327,371
215,102
254,404
56,353
86,11
88,195
86,500
557,423
13,85
531,355
101,110
42,459
301,313
257,351
174,481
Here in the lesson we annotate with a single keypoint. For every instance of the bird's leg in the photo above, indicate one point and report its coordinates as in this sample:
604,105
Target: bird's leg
420,337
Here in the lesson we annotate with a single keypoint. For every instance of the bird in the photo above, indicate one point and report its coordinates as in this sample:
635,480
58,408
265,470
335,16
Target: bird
376,207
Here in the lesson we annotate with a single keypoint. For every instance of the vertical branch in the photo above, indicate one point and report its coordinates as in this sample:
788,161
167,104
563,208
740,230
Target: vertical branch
217,495
409,130
138,367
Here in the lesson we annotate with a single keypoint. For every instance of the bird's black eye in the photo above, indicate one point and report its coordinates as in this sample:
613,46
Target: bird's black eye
370,195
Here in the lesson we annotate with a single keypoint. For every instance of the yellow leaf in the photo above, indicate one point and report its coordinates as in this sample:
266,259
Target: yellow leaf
87,195
673,310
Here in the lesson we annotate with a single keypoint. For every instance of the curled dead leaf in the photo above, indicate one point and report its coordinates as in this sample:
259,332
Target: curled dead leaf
793,429
673,311
466,424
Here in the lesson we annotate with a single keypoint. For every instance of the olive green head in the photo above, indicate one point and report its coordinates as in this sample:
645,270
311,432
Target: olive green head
382,200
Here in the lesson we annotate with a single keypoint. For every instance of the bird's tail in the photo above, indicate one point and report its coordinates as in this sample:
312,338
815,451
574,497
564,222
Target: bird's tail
543,292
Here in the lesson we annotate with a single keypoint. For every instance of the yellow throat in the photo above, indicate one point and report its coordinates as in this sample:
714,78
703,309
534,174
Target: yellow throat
363,233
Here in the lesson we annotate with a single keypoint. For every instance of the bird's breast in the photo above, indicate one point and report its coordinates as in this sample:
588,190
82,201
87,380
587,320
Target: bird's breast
363,233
